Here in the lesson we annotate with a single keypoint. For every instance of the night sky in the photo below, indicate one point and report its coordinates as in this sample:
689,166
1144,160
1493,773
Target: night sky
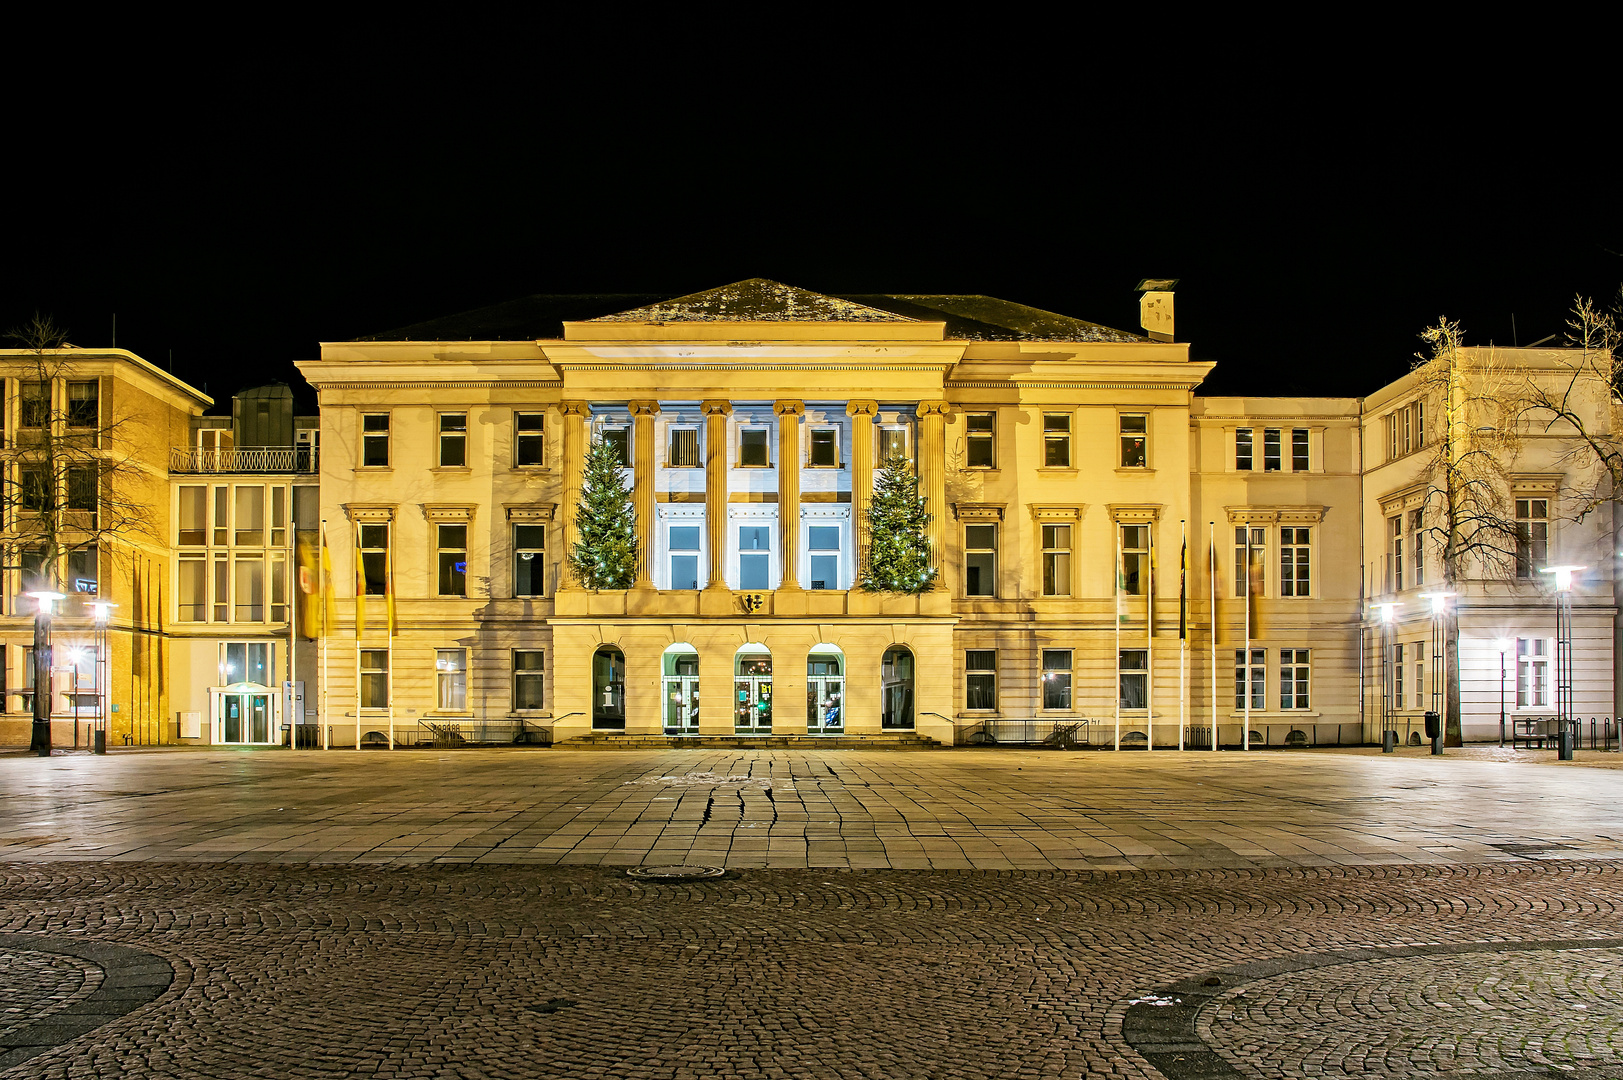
240,222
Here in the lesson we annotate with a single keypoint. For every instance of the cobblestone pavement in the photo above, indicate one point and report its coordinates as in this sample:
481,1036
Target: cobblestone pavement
491,971
960,809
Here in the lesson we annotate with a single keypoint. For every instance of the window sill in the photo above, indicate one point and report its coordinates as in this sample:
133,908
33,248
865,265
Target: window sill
1057,470
685,468
450,468
809,467
988,470
754,468
374,468
1135,470
532,468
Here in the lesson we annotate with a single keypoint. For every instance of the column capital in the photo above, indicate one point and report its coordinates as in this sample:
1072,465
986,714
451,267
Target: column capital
861,407
716,408
574,408
643,408
789,408
934,408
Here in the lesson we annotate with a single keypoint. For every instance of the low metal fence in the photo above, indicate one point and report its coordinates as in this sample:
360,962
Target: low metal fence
1023,732
451,734
1544,732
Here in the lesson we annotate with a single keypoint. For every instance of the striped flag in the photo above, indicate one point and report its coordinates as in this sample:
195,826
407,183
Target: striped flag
1183,590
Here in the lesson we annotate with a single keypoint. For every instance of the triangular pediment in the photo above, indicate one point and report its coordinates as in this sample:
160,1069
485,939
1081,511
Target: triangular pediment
756,300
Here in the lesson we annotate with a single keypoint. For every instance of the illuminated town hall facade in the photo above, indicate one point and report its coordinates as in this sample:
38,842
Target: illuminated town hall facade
1066,465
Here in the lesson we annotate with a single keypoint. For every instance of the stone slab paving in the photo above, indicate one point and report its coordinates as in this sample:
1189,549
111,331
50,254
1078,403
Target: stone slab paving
959,809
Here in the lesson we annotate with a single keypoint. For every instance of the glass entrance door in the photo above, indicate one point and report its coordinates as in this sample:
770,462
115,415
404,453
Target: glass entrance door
681,704
825,696
752,695
245,718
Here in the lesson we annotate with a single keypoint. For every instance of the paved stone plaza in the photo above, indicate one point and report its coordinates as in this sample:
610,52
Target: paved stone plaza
946,914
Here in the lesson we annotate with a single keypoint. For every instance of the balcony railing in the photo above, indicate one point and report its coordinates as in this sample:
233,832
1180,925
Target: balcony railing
245,459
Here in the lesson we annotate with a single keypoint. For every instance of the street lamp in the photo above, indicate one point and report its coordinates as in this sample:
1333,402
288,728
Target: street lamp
1439,667
102,612
1503,646
41,742
1563,654
1387,610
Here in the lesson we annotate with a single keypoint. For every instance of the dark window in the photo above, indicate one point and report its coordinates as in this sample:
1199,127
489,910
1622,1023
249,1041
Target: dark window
1258,678
620,439
36,484
375,439
1242,450
1056,678
529,560
1295,577
1135,434
980,679
453,440
980,560
453,548
528,445
375,558
84,404
1057,440
34,405
528,678
374,678
684,448
1294,671
1299,454
1532,537
752,447
1270,450
825,448
82,570
1132,666
979,440
1135,558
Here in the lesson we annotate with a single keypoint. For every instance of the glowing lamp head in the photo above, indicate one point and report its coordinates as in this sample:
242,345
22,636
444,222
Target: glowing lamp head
102,611
1388,611
46,599
1563,576
1439,601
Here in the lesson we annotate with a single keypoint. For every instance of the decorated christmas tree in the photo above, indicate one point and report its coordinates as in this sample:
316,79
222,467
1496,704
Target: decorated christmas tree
605,555
898,548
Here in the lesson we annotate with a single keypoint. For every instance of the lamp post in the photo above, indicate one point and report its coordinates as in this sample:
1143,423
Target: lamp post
1387,615
41,743
1439,667
1503,645
102,611
1563,655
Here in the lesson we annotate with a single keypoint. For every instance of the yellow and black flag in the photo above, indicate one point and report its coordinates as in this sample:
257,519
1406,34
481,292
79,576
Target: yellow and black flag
1183,590
315,601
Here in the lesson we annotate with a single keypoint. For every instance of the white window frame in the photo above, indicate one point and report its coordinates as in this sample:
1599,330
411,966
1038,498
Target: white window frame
997,540
449,438
1256,674
1067,550
1296,673
841,562
834,432
1295,552
765,430
1528,664
672,552
536,553
523,436
1122,435
1059,438
756,519
450,669
989,437
526,675
1525,541
386,436
670,445
1250,444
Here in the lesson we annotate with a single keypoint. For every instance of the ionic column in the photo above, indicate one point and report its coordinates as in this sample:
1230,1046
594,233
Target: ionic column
574,454
932,469
789,414
861,414
642,487
715,491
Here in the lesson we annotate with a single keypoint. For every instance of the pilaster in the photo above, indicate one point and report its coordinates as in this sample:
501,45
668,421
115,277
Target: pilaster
789,414
642,487
862,415
574,468
932,468
717,598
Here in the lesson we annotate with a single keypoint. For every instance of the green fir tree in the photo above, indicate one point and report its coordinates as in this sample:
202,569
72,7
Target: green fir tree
898,546
605,555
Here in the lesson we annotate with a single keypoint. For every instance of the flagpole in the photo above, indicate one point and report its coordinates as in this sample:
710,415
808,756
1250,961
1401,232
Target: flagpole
360,623
388,605
1211,597
322,586
1118,635
1245,735
1149,645
1183,629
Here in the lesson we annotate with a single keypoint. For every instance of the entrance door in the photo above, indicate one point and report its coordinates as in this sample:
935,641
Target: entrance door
825,696
231,718
752,695
681,704
245,718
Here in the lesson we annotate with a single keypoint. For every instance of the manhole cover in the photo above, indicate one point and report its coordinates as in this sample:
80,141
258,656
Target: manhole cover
682,872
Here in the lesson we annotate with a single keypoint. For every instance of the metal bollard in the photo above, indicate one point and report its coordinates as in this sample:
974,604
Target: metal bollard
1389,741
1566,743
100,739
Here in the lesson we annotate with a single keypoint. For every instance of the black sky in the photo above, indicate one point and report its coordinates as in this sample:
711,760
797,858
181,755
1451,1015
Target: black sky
1317,222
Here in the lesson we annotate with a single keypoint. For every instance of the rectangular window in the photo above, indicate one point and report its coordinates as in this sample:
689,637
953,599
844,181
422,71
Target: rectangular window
1135,436
528,441
1057,440
375,440
453,440
682,451
1532,537
1056,678
752,448
529,680
684,545
222,589
1293,678
82,570
1417,550
250,596
754,556
823,450
1420,676
1397,675
980,438
374,678
1532,673
1257,538
193,590
193,512
823,542
453,559
1299,450
892,443
1243,450
375,557
1258,678
980,679
36,494
245,662
278,516
34,404
306,507
250,507
620,439
1394,554
1056,560
222,516
980,560
529,560
278,586
1295,564
33,570
1419,424
451,679
82,489
1135,559
1132,669
84,404
1271,450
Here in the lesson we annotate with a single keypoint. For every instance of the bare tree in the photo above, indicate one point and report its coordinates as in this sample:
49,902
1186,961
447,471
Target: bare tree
72,490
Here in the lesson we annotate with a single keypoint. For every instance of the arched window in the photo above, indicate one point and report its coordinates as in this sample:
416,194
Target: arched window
680,666
609,689
896,688
825,691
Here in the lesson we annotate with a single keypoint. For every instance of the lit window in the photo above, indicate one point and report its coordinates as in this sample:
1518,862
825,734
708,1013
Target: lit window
453,560
375,440
82,569
1256,537
250,583
1135,559
1135,434
980,560
1057,440
1056,678
1242,450
892,443
193,590
34,405
451,679
1056,560
979,440
245,662
1295,576
1132,667
1532,537
374,678
250,509
1394,552
84,404
823,543
1293,678
684,546
1532,673
1417,552
980,679
193,531
1271,450
752,448
824,449
529,560
528,679
529,446
453,440
682,451
1258,678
